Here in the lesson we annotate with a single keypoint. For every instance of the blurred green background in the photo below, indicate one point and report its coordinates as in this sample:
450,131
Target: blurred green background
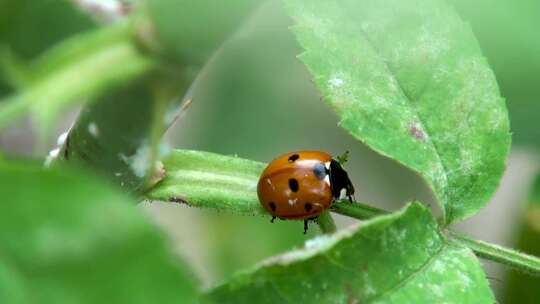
255,99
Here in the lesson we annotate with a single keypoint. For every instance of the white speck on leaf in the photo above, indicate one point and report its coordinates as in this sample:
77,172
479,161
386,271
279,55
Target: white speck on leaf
438,266
105,10
437,290
464,278
370,290
336,82
140,161
93,129
53,154
164,149
62,138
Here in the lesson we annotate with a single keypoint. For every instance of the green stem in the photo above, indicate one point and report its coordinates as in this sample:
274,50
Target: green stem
512,258
357,210
326,223
509,257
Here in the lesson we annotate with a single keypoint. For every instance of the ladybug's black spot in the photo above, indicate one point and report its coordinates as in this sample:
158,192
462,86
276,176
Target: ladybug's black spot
293,184
308,207
272,206
293,158
320,171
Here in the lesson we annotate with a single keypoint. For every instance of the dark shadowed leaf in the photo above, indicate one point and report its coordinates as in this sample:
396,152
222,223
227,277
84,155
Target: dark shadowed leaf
118,134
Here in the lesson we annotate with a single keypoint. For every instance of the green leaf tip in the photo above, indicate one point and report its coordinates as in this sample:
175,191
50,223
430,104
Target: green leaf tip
411,83
396,258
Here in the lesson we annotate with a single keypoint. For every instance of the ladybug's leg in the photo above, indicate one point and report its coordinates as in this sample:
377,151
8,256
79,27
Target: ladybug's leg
273,219
305,225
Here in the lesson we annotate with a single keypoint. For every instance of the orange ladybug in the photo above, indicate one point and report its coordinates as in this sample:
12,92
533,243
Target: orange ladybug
300,185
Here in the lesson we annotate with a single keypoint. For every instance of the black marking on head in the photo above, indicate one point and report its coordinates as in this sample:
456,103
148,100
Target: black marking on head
339,179
320,171
293,158
272,206
308,207
293,184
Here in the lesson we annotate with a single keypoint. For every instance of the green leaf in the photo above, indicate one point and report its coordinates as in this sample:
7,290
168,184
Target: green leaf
19,38
76,70
56,20
409,80
209,180
398,258
67,238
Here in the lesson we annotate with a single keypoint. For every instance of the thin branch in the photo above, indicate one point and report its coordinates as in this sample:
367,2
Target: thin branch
510,257
357,210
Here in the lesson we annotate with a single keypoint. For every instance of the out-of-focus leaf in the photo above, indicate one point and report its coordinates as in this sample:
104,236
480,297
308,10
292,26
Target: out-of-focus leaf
399,258
523,288
80,68
409,80
28,28
67,238
190,31
210,180
508,34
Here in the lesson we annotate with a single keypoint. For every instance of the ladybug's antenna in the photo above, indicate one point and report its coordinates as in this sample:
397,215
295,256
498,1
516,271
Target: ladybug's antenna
343,158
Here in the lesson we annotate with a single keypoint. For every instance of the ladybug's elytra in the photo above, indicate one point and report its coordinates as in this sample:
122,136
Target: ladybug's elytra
300,185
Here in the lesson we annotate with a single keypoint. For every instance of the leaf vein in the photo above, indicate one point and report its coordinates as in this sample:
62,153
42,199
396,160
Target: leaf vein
411,276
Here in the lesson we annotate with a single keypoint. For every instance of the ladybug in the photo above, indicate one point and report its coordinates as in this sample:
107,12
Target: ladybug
300,185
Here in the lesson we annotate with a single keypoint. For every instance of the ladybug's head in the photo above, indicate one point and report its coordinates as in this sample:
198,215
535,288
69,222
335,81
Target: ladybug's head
339,180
